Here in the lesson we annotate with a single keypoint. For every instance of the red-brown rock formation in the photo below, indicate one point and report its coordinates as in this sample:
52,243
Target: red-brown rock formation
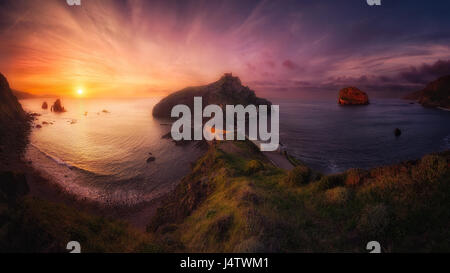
352,96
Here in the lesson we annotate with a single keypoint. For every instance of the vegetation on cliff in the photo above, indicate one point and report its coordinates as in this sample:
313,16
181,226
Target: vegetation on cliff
221,207
435,94
30,224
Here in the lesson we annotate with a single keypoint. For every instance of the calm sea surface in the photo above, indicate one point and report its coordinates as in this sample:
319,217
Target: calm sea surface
332,138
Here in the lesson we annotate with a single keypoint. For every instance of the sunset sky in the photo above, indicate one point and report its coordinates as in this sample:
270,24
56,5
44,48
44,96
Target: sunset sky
278,48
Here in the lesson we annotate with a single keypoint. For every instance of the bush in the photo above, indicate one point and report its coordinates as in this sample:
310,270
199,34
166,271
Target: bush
253,166
330,181
299,175
355,177
374,220
338,195
430,168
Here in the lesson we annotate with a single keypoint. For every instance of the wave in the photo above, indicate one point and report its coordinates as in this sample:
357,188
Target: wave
63,163
54,158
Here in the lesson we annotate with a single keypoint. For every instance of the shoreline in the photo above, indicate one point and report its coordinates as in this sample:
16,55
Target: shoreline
45,187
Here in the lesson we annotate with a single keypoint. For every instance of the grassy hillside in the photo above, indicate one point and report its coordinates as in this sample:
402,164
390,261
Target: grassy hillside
234,200
29,224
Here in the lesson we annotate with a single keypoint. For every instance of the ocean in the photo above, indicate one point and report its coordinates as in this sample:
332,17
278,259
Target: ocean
98,149
331,138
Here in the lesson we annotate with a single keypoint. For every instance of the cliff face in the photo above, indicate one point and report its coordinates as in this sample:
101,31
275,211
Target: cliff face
10,108
352,96
227,90
14,127
435,94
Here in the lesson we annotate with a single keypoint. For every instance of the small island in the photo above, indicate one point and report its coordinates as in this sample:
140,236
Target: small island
352,96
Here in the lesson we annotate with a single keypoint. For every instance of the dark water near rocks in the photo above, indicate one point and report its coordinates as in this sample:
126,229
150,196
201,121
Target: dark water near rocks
332,138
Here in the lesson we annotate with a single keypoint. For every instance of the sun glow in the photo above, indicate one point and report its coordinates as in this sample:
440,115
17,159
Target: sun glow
80,91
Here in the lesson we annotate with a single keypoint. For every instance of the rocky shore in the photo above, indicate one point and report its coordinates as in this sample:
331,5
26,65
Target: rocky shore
38,216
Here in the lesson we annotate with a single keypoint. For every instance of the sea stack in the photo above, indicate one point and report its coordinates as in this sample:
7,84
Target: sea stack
435,94
57,106
352,96
227,90
44,105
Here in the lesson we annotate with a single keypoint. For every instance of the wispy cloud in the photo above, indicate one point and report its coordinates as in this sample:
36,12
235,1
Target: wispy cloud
129,48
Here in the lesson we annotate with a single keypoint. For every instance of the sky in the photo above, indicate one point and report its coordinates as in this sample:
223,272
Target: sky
132,48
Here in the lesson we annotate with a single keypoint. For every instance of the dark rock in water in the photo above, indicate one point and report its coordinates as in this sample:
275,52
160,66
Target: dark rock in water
105,111
227,90
44,105
150,159
435,94
57,107
352,96
38,126
397,132
13,186
45,123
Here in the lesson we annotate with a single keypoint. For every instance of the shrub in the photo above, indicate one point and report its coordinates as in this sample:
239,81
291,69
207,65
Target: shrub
298,175
374,219
430,168
355,177
338,195
253,166
330,181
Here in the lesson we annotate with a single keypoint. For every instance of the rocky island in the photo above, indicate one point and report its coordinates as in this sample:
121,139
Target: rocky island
435,94
352,96
57,107
227,90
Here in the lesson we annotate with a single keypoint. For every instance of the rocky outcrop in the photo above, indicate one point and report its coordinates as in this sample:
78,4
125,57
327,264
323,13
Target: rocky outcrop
352,96
227,90
10,108
14,127
435,94
57,107
44,105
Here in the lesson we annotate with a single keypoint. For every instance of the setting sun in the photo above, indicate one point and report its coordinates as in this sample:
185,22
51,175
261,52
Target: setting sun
80,91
